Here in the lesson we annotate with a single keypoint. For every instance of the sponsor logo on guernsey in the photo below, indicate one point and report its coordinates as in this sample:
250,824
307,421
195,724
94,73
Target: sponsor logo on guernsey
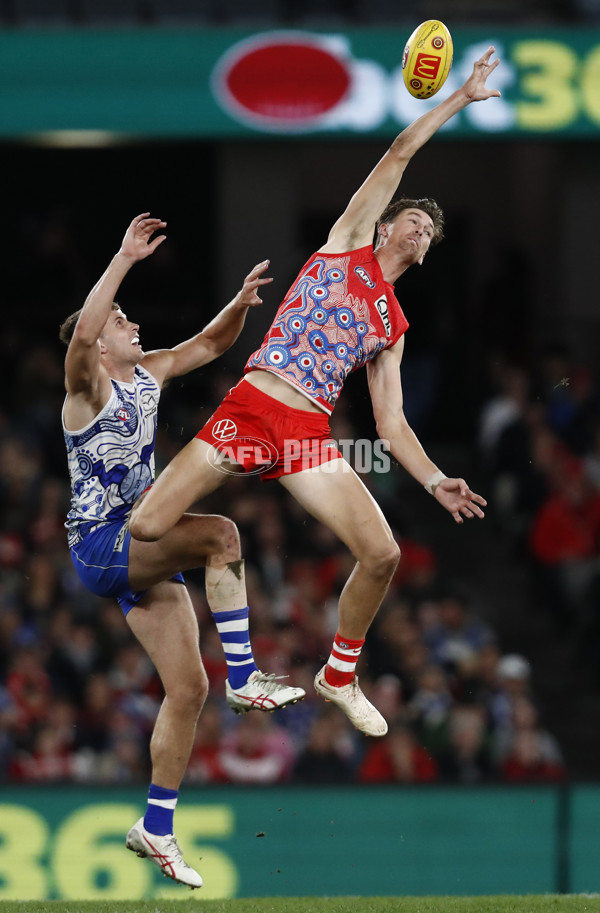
123,414
224,430
364,276
382,306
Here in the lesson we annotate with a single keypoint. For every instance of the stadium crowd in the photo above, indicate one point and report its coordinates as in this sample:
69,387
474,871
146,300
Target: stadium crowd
78,697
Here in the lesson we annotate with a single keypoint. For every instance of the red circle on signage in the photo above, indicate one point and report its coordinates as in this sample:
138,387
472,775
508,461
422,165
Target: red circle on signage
287,81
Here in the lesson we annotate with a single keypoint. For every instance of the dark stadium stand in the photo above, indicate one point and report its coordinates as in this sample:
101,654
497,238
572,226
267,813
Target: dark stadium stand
298,13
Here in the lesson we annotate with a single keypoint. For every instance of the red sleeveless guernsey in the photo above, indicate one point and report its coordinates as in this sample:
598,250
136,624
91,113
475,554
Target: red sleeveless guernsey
338,315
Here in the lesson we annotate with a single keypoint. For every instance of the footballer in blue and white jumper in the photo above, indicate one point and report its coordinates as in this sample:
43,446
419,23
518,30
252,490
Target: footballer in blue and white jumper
110,420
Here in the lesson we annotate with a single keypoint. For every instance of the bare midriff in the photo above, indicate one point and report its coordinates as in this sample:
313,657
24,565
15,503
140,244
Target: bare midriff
281,390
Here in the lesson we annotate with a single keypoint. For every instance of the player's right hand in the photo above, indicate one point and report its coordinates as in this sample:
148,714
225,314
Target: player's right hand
248,294
136,244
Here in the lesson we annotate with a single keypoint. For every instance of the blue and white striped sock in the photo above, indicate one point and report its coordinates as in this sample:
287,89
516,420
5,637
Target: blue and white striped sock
161,808
235,637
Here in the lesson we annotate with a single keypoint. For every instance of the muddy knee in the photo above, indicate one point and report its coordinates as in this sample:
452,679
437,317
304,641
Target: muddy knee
227,541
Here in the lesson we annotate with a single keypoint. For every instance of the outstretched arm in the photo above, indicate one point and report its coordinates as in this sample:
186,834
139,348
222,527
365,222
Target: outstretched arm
385,388
82,363
355,226
218,336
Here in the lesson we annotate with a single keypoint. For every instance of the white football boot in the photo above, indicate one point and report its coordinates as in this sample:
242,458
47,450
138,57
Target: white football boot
262,691
164,852
349,698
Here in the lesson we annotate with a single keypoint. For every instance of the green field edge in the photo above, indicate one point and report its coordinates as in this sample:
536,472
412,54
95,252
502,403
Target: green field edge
534,903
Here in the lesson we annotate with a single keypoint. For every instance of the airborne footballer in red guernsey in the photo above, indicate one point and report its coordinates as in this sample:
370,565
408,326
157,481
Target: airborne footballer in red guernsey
340,314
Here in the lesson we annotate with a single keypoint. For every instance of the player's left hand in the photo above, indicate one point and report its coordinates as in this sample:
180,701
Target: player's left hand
458,499
248,295
475,87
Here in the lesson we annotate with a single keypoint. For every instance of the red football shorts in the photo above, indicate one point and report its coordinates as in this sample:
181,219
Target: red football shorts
266,437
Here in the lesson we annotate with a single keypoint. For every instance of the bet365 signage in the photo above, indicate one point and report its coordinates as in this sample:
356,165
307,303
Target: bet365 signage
225,83
289,82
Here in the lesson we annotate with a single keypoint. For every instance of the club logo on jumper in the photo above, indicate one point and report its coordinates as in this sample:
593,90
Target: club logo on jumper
382,306
364,276
427,66
123,414
224,430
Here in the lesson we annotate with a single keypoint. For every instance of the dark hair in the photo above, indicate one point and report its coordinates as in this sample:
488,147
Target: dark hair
393,210
67,327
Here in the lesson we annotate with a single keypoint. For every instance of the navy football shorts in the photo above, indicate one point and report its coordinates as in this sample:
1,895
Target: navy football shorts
101,560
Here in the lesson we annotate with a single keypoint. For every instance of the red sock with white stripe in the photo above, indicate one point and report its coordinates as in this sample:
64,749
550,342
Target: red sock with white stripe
341,665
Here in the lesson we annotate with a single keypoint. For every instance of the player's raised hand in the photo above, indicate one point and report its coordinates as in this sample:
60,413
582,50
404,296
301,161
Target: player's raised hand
248,295
458,499
136,243
475,87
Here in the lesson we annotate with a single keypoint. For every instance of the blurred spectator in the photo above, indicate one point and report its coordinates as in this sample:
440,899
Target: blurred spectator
387,694
73,661
571,402
132,673
525,761
299,723
565,541
328,753
126,758
512,680
459,633
417,573
20,482
525,716
591,459
49,759
93,718
395,647
204,765
47,529
429,709
256,751
8,727
466,756
513,672
507,407
29,686
213,658
397,758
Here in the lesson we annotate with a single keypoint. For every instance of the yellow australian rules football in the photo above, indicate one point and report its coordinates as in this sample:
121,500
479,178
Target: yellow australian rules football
427,59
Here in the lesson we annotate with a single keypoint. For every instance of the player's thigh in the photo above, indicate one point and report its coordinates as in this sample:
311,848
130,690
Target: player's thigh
192,474
334,495
194,539
165,624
